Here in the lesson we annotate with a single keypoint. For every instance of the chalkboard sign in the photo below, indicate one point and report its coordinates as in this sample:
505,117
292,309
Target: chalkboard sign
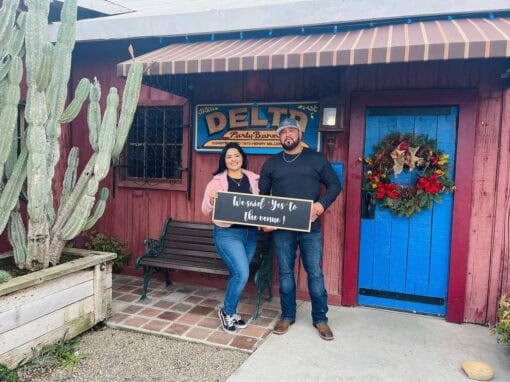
258,210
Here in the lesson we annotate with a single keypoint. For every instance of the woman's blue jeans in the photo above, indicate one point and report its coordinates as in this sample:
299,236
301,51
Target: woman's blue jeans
310,248
236,246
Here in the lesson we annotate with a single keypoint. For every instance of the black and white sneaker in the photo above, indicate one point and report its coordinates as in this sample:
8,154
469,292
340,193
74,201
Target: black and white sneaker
227,321
239,322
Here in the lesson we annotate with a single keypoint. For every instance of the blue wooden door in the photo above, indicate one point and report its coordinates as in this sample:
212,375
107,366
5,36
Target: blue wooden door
404,261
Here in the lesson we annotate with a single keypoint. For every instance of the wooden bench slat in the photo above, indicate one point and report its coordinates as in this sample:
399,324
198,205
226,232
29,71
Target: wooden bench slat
213,263
172,242
191,225
191,253
208,242
192,248
189,239
191,232
183,257
187,266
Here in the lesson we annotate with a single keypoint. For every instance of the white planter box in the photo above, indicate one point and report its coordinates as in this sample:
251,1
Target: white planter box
38,308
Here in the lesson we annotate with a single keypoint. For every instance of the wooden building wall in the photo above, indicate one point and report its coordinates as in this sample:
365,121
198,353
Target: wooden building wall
137,213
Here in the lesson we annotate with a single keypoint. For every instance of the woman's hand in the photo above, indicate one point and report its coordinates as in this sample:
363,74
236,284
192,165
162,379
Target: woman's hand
212,197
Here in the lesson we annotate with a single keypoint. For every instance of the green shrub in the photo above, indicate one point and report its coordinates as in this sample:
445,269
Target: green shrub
502,327
8,375
100,242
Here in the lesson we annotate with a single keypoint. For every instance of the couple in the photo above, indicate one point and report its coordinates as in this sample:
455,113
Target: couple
296,172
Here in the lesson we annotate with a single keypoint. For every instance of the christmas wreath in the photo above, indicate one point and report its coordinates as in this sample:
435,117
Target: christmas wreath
397,153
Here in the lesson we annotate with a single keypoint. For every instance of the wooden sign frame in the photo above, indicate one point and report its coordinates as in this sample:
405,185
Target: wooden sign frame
263,210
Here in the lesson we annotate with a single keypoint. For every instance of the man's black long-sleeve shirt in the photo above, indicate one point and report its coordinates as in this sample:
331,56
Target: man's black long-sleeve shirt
300,179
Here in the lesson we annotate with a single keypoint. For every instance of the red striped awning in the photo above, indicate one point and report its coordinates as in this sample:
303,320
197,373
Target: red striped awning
418,41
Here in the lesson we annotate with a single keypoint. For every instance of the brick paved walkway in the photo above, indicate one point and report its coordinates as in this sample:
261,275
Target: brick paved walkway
188,312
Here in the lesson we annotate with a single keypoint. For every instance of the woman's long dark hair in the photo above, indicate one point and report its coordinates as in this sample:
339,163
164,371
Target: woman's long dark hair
221,164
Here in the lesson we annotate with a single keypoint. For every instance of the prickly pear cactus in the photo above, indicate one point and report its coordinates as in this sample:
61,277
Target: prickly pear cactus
32,166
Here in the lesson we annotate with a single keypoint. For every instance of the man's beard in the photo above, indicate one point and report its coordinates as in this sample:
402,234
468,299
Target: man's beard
291,146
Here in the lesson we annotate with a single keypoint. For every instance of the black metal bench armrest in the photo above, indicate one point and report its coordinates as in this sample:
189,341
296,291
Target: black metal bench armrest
154,246
154,249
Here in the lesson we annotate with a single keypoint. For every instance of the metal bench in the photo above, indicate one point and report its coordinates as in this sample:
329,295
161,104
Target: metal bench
189,246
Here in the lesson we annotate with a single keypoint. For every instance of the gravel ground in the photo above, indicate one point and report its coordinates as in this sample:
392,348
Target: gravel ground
117,355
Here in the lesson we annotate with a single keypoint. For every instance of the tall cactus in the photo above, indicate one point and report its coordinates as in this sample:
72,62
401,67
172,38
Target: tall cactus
47,73
7,15
9,109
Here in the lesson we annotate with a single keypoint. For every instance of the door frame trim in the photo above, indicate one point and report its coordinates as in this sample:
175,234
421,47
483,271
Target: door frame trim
466,100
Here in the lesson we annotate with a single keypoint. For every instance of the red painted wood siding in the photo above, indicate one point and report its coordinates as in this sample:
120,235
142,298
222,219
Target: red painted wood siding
499,271
138,213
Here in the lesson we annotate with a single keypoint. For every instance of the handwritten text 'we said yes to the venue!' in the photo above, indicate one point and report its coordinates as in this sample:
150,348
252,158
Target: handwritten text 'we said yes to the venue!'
258,210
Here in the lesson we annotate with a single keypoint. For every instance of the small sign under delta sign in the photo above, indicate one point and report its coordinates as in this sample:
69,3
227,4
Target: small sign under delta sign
258,210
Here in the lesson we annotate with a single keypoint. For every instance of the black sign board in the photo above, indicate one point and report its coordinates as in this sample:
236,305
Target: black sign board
258,210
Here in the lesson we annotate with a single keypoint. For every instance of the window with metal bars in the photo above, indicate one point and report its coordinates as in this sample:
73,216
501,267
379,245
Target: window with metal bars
154,148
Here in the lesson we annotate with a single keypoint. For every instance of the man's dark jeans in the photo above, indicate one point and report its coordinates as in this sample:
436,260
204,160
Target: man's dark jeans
310,246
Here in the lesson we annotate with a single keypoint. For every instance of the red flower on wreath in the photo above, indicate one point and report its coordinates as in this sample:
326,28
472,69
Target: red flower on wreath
387,189
430,185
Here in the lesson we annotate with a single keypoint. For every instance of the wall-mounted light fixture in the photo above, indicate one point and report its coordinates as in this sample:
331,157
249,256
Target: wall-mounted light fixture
332,120
329,116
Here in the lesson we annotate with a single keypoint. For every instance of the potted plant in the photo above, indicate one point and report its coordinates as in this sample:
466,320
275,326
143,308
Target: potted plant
97,241
38,307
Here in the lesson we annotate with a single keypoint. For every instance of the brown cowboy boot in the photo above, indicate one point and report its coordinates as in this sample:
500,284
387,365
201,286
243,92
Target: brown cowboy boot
324,331
282,326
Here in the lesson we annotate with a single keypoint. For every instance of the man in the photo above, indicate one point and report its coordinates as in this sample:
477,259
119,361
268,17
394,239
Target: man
298,172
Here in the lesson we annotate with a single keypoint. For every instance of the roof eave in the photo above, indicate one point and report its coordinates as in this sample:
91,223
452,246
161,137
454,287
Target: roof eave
140,25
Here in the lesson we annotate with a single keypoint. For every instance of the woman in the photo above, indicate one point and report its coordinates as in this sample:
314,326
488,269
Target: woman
235,243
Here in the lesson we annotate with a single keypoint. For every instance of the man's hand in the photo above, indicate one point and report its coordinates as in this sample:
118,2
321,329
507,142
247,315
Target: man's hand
317,210
268,229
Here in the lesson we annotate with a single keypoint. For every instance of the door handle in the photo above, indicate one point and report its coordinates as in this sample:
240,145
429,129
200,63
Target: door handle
367,206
